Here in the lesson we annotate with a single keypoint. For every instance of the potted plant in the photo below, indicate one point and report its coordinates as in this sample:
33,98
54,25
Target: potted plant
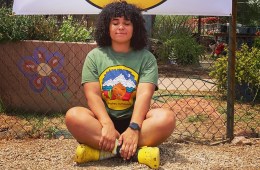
247,74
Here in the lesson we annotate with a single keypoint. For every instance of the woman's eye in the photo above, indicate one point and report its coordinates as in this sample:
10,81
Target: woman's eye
127,23
115,23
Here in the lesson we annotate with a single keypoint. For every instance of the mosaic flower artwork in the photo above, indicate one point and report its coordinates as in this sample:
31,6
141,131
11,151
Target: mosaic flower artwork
44,70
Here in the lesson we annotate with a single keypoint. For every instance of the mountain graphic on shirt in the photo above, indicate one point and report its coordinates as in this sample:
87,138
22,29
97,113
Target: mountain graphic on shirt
118,84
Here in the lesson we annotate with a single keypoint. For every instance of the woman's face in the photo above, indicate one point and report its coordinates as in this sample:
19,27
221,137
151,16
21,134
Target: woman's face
121,30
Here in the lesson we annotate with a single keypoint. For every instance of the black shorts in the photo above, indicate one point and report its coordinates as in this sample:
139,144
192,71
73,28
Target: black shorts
121,124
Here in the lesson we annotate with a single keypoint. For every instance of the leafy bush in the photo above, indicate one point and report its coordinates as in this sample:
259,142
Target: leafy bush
177,42
14,27
166,27
256,43
247,72
185,50
6,3
71,31
43,28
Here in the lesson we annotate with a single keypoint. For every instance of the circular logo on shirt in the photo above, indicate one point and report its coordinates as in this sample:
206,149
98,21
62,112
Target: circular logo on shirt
118,85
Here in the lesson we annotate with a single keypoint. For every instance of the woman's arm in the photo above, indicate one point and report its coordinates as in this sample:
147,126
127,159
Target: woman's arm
96,105
95,102
130,137
142,104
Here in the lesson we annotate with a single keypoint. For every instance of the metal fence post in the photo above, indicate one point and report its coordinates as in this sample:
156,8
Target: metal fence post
231,72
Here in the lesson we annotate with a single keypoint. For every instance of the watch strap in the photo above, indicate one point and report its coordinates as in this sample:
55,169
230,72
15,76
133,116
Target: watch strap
134,126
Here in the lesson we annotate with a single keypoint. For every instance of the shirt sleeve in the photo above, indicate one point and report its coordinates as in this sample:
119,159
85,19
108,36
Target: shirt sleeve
149,72
89,70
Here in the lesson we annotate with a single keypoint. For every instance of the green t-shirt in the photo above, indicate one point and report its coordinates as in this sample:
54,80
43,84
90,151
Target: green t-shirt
119,75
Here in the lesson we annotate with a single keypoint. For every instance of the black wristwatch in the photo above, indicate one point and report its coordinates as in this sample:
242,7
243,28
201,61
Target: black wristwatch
134,126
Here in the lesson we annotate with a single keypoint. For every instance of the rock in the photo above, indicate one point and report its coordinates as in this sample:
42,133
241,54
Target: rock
241,140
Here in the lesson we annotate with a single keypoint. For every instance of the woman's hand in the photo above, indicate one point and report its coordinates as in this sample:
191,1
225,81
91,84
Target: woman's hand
108,137
108,133
129,142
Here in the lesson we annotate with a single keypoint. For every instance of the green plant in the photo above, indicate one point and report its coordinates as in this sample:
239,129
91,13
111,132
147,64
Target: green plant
222,110
247,117
185,50
13,27
166,27
71,31
43,28
197,118
177,43
247,72
51,131
257,42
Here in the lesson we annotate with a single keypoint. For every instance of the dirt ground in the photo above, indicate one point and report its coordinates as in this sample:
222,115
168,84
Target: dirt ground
171,70
57,154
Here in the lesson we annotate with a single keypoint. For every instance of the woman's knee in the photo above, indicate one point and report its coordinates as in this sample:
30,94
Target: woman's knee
158,126
165,118
169,118
71,114
76,114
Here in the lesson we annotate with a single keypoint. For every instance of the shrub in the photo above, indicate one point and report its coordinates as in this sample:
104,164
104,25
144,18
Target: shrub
43,28
256,43
177,42
166,27
15,27
247,72
185,50
71,31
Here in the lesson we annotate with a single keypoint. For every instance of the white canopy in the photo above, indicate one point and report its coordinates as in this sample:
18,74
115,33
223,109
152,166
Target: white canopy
158,7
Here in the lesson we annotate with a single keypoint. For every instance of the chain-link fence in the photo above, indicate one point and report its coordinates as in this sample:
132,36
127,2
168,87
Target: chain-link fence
40,79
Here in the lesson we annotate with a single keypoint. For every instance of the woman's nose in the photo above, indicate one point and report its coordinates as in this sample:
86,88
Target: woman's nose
121,26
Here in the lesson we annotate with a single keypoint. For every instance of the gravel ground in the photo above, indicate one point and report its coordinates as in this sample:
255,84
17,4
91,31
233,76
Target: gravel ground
57,154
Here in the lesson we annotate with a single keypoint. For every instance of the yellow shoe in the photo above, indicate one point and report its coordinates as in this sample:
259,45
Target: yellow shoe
85,154
149,156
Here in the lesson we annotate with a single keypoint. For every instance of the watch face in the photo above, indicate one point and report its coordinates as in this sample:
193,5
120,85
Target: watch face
134,126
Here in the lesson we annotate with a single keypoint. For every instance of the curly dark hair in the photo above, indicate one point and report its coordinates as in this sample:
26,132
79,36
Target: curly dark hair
129,12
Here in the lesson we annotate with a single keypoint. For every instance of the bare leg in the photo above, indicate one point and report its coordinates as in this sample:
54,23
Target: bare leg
157,127
83,125
85,128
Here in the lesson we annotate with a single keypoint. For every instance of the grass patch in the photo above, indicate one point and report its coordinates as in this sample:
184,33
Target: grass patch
247,117
33,124
222,110
197,118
